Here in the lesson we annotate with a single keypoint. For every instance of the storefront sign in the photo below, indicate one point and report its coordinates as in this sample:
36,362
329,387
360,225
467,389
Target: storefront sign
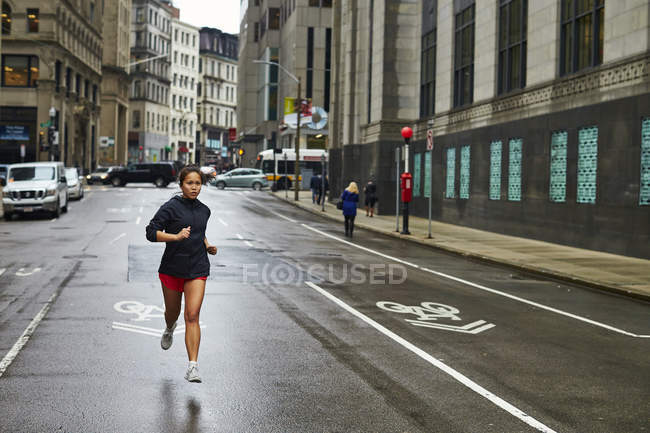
18,133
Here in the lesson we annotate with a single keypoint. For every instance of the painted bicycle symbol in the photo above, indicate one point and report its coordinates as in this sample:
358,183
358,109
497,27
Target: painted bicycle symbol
143,312
428,312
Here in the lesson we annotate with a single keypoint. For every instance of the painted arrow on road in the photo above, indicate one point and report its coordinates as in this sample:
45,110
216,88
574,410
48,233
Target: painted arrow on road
470,328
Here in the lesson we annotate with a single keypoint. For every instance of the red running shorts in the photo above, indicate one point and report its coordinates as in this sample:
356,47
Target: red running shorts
176,283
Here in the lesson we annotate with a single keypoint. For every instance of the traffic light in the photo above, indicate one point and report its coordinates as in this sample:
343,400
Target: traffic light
50,135
41,141
241,152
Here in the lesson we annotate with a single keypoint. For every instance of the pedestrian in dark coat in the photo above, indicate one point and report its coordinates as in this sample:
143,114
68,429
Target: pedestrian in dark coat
321,194
184,268
315,185
350,198
370,193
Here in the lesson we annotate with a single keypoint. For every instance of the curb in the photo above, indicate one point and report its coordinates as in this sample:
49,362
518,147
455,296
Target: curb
463,253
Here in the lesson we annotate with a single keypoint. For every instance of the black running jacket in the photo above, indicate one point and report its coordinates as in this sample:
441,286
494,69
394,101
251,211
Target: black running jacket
187,258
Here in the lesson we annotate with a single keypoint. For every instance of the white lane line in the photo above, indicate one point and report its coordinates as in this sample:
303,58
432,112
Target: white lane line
249,244
269,210
222,222
138,331
480,287
2,271
141,209
24,338
117,238
53,219
137,221
240,236
438,364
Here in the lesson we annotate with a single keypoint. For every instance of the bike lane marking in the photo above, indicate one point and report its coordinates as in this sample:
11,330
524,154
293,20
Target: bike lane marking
437,363
481,287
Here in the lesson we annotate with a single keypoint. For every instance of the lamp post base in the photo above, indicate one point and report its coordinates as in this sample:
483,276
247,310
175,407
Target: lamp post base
405,221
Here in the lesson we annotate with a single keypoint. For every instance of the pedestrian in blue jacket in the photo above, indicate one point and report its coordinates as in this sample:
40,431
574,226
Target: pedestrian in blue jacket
350,198
184,268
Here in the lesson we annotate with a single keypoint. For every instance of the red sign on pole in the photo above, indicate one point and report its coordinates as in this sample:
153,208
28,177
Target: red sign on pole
232,134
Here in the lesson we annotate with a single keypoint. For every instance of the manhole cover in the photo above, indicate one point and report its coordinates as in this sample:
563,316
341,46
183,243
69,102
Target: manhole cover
80,256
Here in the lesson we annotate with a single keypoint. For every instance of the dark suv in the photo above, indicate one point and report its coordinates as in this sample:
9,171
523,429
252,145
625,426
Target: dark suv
159,173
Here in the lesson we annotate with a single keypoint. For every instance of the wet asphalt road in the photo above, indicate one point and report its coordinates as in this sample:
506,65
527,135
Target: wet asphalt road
303,331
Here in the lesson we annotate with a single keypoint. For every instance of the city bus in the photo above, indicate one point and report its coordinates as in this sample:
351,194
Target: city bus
310,165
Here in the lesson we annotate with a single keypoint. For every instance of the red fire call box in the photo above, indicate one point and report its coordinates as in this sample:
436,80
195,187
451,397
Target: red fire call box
406,186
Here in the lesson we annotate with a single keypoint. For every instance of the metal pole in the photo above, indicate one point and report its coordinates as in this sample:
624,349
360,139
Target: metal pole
275,170
322,184
286,179
405,217
297,168
430,186
397,189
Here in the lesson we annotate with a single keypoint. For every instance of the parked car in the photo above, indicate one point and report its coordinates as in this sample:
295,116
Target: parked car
243,177
75,183
35,186
160,174
100,175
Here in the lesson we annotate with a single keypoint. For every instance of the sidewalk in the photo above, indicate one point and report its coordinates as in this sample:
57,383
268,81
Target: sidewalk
624,275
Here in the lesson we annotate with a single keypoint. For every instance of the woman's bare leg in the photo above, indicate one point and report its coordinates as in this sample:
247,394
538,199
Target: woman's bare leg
172,305
194,291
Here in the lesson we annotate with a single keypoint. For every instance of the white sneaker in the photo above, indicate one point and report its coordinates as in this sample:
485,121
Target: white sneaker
192,374
168,337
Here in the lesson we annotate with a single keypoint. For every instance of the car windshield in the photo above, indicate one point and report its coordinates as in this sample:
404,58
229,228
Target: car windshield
31,173
71,173
102,170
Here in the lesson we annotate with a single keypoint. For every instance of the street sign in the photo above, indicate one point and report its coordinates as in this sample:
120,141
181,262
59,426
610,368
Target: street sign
46,124
56,138
430,139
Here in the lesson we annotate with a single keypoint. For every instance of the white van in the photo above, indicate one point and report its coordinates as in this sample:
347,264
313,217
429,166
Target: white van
35,187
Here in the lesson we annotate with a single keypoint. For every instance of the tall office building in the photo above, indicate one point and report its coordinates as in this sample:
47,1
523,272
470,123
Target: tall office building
539,113
113,140
297,34
185,79
51,59
217,94
150,81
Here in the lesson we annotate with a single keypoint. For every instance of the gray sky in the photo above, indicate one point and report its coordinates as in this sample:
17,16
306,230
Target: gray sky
221,14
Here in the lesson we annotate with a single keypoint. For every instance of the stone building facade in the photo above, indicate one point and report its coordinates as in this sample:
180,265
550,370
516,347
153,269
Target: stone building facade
150,81
217,94
185,79
113,140
51,58
539,112
297,34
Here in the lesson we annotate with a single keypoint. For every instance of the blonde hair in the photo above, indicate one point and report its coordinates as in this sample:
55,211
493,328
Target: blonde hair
353,188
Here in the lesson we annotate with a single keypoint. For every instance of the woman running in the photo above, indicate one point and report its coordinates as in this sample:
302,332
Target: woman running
184,267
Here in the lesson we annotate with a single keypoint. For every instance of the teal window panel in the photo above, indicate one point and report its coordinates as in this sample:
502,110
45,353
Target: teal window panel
464,172
514,170
427,174
644,192
587,164
417,165
557,189
451,173
495,170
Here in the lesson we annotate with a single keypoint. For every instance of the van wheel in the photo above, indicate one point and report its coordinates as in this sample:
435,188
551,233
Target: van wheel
221,184
57,211
8,216
257,186
159,182
116,181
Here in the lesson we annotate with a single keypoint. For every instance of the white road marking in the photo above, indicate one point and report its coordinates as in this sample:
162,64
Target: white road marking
53,219
480,287
2,271
23,273
240,236
117,238
249,244
268,210
141,209
154,332
24,338
137,221
438,364
222,222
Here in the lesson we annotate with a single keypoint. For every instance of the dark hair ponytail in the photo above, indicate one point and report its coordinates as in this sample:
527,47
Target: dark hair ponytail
191,169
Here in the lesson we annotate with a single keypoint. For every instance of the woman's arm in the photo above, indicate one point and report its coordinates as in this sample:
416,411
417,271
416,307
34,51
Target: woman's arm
168,237
210,248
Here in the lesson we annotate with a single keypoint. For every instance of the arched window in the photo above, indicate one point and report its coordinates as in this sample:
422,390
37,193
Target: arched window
6,18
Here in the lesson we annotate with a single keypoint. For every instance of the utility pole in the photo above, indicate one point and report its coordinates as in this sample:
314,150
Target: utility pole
297,171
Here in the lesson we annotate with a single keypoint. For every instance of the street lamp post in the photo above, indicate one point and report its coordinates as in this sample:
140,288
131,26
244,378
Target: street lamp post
322,183
299,99
50,137
406,180
286,185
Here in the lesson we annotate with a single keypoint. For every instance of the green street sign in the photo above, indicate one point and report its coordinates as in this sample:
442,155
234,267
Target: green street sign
46,124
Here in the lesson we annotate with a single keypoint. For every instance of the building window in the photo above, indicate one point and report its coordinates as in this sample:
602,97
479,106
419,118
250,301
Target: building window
256,32
495,170
136,119
19,71
557,188
57,74
428,75
582,35
6,18
464,58
274,18
464,172
310,62
451,173
514,170
92,12
513,18
328,68
644,192
587,164
32,20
